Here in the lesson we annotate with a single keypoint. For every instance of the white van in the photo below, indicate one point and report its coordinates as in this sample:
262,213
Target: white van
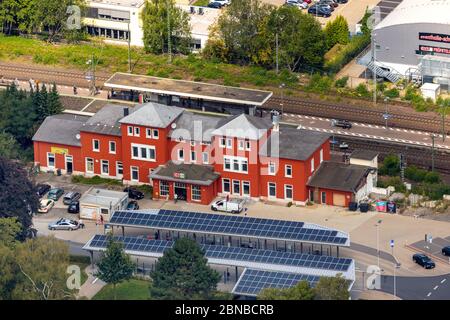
232,205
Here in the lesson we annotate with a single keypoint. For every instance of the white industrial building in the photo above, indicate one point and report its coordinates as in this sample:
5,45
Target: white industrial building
413,42
117,20
100,202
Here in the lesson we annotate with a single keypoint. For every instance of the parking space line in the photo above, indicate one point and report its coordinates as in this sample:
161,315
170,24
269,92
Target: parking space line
443,280
429,294
435,287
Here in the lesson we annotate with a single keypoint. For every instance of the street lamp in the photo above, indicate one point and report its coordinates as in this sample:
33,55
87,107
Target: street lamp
386,114
378,242
281,103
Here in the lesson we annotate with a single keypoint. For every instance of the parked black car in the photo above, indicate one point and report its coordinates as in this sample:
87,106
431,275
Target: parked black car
74,207
446,251
133,205
341,1
424,261
134,193
42,189
71,196
215,5
345,124
320,11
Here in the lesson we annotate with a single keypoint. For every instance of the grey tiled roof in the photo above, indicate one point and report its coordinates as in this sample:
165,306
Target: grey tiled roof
339,176
364,154
292,143
61,129
243,126
106,120
194,173
153,114
194,126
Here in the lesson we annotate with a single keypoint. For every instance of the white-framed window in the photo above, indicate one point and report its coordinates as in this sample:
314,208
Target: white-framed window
180,154
241,144
148,133
119,168
271,168
50,160
196,193
247,145
155,134
288,171
229,143
112,147
272,190
193,156
104,166
137,131
143,152
130,130
134,173
222,142
236,187
226,185
288,192
321,155
205,157
89,165
245,188
235,164
312,165
95,145
323,197
163,188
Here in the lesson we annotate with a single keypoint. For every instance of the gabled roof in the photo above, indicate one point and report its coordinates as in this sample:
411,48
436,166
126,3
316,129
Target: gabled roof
193,126
61,129
292,143
339,176
193,173
153,114
243,126
106,120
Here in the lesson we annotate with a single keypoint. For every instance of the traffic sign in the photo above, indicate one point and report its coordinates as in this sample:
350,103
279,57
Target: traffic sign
392,243
387,116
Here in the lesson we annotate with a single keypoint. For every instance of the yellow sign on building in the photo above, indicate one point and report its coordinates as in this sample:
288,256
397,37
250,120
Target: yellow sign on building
59,150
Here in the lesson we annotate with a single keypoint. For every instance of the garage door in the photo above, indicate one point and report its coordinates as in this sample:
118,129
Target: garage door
338,199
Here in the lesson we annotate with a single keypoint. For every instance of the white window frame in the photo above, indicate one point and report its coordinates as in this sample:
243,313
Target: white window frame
193,156
229,143
115,147
238,183
321,197
119,164
93,145
155,134
222,142
249,188
130,131
148,152
54,160
86,164
286,167
268,190
180,157
232,160
241,144
101,167
271,166
196,195
137,131
312,165
286,187
223,185
148,133
321,155
131,173
248,145
205,157
164,188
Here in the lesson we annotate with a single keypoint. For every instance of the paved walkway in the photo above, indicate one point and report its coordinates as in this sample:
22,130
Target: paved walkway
92,285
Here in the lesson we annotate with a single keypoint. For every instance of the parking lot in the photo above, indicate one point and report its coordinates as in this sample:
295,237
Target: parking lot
433,249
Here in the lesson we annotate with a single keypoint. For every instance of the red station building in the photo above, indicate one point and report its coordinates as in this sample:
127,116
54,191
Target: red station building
196,156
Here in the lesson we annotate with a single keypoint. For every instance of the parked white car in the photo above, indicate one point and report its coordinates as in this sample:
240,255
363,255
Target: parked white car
45,205
232,205
299,4
222,2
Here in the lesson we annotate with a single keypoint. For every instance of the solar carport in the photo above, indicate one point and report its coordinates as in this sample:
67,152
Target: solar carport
227,227
262,268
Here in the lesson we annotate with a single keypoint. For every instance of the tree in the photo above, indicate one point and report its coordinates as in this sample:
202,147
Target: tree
336,31
9,231
183,273
42,264
156,28
54,105
301,291
115,265
8,146
17,196
390,166
332,288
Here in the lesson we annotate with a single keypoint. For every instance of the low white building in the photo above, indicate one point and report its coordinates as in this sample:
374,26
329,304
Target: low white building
100,202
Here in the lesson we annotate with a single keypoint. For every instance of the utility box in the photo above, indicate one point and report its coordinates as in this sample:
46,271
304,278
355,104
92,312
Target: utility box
430,90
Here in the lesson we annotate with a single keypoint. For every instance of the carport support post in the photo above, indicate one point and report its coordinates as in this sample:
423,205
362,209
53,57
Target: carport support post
236,269
285,245
321,250
91,255
337,251
123,231
265,243
301,247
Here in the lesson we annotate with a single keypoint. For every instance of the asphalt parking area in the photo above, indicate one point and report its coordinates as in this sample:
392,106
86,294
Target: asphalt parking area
434,248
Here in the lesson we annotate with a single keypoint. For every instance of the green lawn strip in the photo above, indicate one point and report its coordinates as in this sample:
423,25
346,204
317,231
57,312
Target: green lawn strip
83,262
201,3
134,289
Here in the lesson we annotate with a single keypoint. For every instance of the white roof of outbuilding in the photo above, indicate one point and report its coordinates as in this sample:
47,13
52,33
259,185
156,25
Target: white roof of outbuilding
418,11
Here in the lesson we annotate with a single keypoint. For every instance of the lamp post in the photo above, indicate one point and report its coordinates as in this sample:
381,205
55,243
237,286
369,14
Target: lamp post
386,114
378,242
281,103
433,136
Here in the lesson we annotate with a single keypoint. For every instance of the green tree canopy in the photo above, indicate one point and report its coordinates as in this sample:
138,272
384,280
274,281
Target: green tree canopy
10,229
390,166
9,147
183,273
332,288
156,27
115,265
301,291
336,31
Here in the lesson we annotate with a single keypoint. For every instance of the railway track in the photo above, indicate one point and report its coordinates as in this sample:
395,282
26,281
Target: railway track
365,114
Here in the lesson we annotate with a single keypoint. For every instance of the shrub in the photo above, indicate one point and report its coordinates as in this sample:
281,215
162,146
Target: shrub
415,174
95,180
362,91
432,177
341,83
319,84
351,50
396,182
390,166
434,191
392,93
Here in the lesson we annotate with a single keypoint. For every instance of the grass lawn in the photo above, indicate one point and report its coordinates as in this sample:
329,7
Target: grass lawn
113,58
201,3
133,289
82,262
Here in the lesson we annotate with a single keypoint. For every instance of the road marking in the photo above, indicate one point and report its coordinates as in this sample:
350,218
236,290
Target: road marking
435,287
429,294
443,280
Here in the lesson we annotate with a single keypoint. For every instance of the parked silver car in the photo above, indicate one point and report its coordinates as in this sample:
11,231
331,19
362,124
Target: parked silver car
64,224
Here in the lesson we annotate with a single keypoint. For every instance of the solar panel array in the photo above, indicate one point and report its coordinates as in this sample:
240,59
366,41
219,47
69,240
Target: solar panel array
252,281
295,259
227,225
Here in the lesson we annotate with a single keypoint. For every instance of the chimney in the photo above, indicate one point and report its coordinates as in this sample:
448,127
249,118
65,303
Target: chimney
275,120
126,111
